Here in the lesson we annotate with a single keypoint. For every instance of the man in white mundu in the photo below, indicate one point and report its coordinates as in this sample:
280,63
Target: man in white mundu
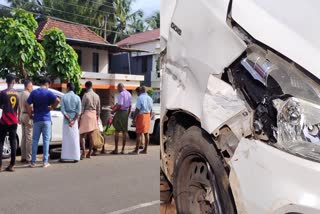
71,109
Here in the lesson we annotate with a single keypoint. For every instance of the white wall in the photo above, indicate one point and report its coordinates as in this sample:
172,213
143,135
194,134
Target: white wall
86,60
134,96
152,46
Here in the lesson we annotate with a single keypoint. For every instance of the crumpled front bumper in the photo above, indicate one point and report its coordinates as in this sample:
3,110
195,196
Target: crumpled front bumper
265,179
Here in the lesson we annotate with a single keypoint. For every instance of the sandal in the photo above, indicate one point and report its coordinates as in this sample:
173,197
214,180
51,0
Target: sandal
134,152
143,152
10,169
122,152
114,152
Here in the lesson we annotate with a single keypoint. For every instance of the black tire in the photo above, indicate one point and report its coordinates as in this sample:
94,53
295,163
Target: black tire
132,135
7,148
55,153
200,182
155,137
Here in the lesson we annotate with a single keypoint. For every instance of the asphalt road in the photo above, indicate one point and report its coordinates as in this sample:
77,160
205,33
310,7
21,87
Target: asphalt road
103,184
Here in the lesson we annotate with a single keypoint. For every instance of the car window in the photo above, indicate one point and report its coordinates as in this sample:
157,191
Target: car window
58,108
156,97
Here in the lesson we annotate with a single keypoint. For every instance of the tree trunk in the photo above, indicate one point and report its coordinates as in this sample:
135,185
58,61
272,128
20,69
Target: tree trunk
23,71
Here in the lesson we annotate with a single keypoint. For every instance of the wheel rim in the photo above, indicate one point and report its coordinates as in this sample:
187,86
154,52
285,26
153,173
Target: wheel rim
6,147
197,185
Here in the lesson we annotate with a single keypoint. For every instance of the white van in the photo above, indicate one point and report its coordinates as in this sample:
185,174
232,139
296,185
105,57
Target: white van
240,107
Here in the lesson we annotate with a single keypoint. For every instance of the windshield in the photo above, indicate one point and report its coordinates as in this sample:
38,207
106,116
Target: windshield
156,97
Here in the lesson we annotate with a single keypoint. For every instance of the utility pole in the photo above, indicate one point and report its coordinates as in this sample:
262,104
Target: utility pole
105,26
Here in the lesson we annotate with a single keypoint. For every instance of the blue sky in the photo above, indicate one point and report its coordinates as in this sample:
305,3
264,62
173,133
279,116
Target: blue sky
3,2
148,6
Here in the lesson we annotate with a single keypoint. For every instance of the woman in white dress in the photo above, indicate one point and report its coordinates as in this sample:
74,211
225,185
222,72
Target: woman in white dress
71,109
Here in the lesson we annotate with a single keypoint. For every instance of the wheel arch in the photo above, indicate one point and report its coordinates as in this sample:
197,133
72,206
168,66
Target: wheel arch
225,139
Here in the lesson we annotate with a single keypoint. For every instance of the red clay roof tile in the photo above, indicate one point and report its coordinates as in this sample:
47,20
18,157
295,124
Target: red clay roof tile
71,31
140,38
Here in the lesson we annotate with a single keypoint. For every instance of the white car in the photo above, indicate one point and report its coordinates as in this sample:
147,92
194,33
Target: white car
240,107
56,118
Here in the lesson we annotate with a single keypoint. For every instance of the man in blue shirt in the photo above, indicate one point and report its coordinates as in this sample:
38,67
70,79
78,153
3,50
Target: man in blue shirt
43,101
142,119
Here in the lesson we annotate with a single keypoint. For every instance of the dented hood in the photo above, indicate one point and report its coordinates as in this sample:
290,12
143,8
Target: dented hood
288,26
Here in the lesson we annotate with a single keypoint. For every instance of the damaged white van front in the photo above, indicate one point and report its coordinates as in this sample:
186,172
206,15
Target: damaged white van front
241,105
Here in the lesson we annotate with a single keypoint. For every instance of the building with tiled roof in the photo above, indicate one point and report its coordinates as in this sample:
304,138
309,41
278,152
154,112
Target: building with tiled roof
94,56
143,63
148,36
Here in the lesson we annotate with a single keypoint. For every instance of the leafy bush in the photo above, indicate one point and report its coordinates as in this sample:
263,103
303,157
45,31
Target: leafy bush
62,60
20,53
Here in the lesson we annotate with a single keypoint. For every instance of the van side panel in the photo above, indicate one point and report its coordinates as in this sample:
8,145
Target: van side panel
194,52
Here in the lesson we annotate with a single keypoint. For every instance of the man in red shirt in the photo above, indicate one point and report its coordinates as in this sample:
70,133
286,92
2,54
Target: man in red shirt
9,103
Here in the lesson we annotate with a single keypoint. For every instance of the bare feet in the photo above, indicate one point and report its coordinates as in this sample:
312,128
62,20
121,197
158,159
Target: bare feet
83,156
45,165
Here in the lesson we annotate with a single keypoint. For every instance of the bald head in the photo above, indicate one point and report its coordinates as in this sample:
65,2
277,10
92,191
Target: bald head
120,87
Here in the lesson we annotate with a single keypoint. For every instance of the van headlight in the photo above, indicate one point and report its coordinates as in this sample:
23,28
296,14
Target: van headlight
298,126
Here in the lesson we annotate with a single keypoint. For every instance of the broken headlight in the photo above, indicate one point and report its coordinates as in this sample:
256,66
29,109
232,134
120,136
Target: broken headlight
298,119
298,127
297,122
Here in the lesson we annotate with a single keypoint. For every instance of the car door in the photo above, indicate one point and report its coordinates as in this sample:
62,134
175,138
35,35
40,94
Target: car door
57,120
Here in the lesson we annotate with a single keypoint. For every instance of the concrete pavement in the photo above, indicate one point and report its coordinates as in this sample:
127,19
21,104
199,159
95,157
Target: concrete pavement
100,185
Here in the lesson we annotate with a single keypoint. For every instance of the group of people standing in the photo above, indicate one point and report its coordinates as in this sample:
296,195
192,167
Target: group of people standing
31,109
141,118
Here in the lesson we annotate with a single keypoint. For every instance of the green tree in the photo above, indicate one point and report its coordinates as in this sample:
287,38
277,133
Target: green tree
112,19
105,17
26,19
20,53
136,24
124,16
98,14
154,21
62,60
4,12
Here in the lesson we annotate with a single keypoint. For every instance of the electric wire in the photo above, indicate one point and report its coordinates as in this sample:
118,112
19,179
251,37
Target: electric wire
60,19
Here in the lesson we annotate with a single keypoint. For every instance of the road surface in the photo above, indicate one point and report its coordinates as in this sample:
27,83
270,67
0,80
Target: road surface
104,184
